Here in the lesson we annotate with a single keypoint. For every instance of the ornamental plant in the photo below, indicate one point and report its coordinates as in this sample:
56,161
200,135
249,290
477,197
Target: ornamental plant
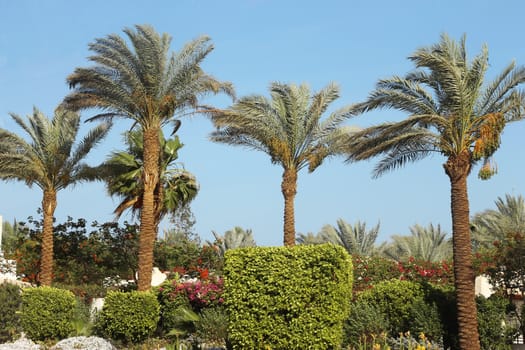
287,297
47,313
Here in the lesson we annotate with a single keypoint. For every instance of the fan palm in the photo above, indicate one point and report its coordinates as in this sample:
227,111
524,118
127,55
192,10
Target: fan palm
424,243
494,225
51,161
176,186
149,86
356,239
287,127
451,112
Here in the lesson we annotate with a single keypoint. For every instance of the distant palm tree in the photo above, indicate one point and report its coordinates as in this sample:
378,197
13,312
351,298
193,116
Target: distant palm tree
176,187
424,243
51,161
287,127
310,238
234,238
147,85
356,239
494,225
451,112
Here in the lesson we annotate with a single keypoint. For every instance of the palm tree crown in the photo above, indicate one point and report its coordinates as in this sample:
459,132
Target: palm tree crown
147,85
424,243
495,224
453,112
177,187
51,160
287,127
356,239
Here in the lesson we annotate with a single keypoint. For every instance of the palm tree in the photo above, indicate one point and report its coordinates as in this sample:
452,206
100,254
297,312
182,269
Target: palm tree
232,239
289,129
310,238
424,243
147,85
494,225
453,113
122,173
50,162
356,239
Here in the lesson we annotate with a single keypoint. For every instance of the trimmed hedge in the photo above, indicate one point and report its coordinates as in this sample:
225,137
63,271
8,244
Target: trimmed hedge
47,313
287,298
128,316
10,301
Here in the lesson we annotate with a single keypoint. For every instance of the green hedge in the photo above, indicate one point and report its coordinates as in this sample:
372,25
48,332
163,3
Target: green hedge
10,301
47,313
128,316
287,298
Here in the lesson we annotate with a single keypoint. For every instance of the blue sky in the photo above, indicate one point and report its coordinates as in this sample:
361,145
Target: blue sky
353,43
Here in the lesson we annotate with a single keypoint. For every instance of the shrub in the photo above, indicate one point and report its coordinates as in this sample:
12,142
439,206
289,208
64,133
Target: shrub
394,299
212,326
128,317
10,301
494,334
170,302
47,313
287,298
364,325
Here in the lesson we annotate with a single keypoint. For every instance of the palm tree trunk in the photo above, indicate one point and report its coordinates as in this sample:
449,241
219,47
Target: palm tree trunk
289,189
458,168
147,213
49,204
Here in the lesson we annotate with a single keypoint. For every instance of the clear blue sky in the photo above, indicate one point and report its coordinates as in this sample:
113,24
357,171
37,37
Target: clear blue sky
353,43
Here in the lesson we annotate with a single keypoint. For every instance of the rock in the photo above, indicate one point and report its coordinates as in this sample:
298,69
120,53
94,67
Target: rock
83,343
21,344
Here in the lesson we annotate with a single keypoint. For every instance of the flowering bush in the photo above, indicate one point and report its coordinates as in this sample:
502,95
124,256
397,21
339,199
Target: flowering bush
201,293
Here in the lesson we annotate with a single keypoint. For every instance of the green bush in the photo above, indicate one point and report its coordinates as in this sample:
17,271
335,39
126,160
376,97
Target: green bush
128,317
365,324
170,302
212,326
287,298
395,299
47,313
10,301
494,334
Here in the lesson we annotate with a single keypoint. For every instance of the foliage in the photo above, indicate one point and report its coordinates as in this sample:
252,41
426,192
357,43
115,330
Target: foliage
184,255
364,325
287,298
234,238
425,319
171,305
212,326
47,313
493,225
10,302
84,255
424,243
123,170
395,299
356,239
494,334
128,317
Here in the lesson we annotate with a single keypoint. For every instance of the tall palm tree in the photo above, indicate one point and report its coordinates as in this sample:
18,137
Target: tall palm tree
50,160
287,127
451,112
494,224
424,243
356,239
146,84
122,173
